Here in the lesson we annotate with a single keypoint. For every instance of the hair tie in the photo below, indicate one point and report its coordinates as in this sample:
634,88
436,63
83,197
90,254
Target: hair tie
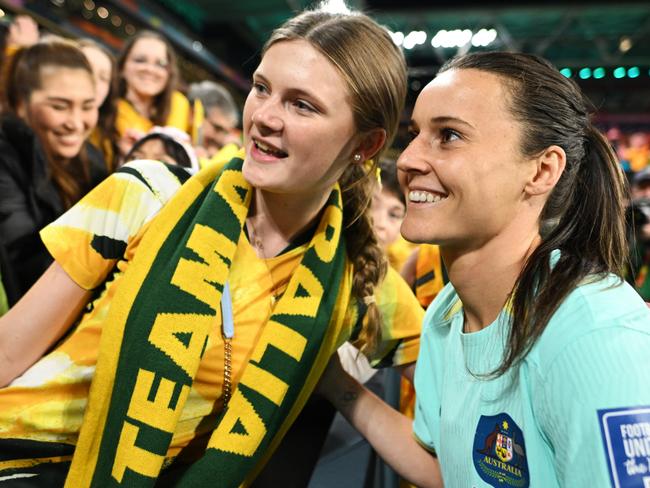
369,299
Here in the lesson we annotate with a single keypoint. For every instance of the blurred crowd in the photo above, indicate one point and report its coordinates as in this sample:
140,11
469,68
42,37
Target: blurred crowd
633,151
73,111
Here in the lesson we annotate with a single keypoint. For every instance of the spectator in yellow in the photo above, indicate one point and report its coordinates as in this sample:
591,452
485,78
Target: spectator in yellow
146,87
638,151
304,274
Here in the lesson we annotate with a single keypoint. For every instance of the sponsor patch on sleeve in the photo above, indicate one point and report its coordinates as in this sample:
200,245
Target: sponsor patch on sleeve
626,439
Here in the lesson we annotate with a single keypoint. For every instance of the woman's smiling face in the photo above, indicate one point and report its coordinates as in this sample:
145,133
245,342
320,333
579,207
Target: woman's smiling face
299,128
62,112
463,172
146,68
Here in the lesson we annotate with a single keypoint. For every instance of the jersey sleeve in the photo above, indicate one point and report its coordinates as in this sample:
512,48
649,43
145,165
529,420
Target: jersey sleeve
401,323
594,407
94,234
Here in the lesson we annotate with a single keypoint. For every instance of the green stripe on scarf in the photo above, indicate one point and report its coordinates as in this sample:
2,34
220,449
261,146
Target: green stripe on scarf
166,326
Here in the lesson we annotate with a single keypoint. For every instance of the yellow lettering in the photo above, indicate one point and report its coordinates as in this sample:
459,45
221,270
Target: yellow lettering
307,305
163,336
197,278
265,383
239,411
287,340
135,458
327,248
157,412
226,188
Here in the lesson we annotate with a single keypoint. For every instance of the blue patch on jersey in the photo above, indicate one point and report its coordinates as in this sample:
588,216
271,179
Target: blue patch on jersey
626,438
499,452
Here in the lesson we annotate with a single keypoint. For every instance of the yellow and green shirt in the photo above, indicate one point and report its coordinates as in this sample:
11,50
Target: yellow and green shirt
95,242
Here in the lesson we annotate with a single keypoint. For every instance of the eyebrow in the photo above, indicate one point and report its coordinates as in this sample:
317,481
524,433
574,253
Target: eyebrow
320,105
67,100
446,119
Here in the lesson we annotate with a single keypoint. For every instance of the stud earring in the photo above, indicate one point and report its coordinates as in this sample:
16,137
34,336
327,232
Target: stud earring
357,158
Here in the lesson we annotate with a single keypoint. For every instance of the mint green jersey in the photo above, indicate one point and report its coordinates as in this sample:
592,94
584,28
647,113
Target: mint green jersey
575,413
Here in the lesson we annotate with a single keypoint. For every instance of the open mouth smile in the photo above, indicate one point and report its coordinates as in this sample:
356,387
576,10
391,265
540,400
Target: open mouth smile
420,196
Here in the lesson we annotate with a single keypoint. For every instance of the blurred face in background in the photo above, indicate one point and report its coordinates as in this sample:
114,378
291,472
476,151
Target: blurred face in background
102,72
641,189
146,69
387,214
62,112
218,130
153,149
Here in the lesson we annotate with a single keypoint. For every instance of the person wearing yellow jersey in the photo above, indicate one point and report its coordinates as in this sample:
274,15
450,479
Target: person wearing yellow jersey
147,94
215,301
425,273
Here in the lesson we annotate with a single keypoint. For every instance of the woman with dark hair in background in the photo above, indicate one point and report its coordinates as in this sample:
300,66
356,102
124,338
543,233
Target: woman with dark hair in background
167,145
534,363
45,166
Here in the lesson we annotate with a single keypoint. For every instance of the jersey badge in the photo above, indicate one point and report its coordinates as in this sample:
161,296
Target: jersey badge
499,452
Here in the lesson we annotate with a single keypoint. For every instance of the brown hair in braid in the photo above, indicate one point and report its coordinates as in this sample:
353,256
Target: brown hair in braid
375,73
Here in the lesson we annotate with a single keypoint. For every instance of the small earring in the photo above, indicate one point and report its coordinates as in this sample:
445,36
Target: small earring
357,158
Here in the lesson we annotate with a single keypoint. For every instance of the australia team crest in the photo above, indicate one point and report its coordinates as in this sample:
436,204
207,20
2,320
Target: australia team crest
499,452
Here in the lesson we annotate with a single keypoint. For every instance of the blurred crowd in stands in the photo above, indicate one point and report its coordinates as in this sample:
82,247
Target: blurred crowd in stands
73,111
633,151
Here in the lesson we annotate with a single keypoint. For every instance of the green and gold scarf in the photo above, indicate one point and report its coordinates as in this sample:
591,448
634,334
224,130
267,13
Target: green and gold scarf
158,328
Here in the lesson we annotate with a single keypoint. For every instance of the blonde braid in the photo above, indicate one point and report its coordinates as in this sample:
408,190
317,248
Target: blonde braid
367,257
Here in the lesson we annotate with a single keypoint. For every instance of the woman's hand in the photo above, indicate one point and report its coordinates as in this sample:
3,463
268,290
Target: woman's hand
23,32
128,139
